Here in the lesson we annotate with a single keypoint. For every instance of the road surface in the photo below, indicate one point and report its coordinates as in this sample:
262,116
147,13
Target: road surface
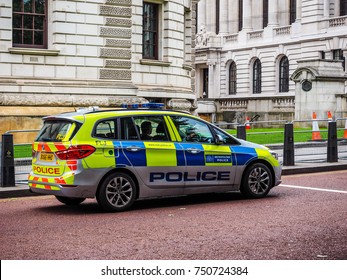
304,218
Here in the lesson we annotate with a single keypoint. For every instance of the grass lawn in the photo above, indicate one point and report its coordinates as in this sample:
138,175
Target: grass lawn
22,151
276,135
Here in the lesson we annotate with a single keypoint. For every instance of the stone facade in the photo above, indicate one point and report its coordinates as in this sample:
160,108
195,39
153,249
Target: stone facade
296,29
94,58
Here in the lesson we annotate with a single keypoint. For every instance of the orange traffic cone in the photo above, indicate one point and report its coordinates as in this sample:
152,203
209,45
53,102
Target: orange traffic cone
345,131
330,117
248,126
315,128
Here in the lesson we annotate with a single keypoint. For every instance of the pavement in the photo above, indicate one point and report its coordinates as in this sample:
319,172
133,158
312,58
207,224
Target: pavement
22,190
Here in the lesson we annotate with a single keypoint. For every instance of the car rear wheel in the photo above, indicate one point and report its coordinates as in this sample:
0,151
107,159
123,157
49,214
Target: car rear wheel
257,181
117,192
70,200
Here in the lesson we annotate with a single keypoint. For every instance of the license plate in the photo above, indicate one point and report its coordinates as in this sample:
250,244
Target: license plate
46,157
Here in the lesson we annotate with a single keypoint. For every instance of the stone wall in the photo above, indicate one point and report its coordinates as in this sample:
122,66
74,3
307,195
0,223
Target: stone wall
94,58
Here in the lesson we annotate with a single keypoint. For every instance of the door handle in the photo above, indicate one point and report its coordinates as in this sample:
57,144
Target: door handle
133,148
193,150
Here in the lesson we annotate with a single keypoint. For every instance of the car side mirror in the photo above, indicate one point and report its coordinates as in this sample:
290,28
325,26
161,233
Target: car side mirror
219,139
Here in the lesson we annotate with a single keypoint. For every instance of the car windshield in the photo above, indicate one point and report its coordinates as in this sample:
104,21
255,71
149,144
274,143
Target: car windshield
54,131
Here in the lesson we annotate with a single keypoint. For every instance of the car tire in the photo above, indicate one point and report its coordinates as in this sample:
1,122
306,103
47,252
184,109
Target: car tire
257,181
70,200
117,192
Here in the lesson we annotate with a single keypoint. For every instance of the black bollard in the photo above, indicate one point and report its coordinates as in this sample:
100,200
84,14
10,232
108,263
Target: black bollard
7,161
288,147
332,153
241,132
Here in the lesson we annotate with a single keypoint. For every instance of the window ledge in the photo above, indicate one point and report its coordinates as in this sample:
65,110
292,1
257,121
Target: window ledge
187,67
31,51
155,62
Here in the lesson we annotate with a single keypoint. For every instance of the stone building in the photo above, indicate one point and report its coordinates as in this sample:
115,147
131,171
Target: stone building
278,59
58,55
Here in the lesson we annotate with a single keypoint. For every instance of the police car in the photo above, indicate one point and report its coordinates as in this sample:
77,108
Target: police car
119,156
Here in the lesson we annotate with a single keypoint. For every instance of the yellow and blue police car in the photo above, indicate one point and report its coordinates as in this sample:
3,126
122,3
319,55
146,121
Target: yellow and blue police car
121,155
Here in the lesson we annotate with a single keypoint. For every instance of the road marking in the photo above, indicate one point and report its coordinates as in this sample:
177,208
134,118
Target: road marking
313,189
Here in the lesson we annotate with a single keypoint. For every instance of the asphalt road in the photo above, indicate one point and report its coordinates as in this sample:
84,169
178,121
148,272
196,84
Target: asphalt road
304,218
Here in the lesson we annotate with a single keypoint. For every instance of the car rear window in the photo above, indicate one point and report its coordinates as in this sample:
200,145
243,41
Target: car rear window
57,131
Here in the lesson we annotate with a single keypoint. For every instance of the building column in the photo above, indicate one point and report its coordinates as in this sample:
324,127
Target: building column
223,17
201,14
233,12
337,8
247,15
298,10
326,9
273,12
211,84
211,16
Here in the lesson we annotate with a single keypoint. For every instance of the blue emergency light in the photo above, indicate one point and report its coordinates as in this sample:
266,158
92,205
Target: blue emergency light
150,105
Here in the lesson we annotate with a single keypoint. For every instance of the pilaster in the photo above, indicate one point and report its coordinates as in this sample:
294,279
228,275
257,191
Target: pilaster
247,15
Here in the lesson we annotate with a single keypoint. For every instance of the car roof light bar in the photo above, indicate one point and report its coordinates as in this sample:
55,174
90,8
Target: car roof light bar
89,109
150,105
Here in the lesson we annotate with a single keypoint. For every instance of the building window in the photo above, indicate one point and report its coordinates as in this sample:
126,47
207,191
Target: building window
338,55
205,83
292,11
232,78
196,22
150,30
217,16
265,13
284,74
257,76
343,7
29,22
240,14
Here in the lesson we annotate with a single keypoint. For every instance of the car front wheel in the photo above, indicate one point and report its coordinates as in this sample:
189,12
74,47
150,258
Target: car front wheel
257,181
117,192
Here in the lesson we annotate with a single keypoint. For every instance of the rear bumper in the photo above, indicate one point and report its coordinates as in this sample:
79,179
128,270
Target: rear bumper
59,190
83,185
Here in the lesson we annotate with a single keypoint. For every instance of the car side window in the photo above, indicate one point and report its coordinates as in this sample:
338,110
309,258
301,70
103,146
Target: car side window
192,130
227,139
151,128
105,129
129,131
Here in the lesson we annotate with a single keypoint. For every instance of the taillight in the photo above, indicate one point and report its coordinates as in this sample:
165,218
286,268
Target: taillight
75,152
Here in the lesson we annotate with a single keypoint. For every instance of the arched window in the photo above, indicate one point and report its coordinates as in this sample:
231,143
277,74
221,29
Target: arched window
284,74
257,76
343,7
232,78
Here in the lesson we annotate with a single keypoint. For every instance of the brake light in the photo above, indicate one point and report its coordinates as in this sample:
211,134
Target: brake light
75,152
